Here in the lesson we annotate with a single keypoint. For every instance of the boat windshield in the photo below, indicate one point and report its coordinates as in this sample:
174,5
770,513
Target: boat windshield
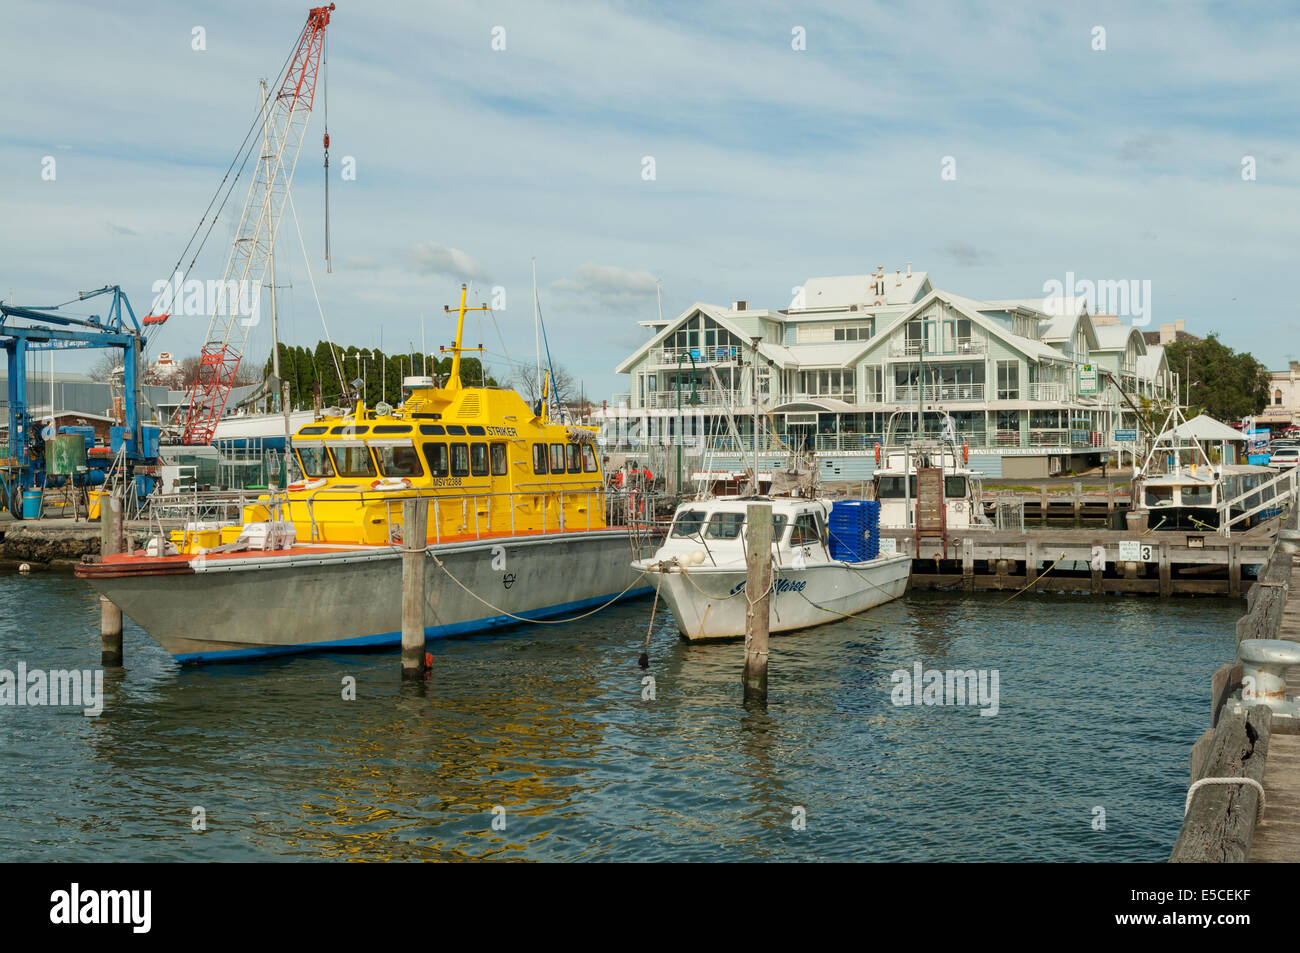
689,523
724,526
1159,495
954,486
353,461
315,462
398,461
891,487
1198,495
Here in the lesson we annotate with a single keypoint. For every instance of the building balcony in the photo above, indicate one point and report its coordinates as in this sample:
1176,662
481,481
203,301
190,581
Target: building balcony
937,392
668,399
670,356
962,347
1047,391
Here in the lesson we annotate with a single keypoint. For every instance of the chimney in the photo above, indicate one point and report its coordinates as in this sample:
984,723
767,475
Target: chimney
898,277
909,269
739,305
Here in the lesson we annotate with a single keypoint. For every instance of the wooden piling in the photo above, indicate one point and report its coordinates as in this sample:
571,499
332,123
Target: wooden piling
1166,572
110,616
758,585
968,564
415,522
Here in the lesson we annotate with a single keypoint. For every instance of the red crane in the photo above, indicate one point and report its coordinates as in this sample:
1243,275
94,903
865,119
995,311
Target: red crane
249,255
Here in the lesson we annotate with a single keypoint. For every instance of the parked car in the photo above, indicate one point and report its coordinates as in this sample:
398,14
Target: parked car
1284,457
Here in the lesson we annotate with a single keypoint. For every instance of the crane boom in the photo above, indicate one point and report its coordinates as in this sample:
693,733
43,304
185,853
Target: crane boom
247,264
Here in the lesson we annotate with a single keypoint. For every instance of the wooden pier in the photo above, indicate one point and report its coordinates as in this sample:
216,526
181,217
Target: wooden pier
1162,563
1248,750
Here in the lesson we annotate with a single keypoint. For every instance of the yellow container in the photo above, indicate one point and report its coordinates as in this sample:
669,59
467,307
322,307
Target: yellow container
94,504
230,533
177,537
206,538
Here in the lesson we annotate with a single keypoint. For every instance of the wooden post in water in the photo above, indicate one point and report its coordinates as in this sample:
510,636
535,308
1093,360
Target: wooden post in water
758,583
415,521
110,616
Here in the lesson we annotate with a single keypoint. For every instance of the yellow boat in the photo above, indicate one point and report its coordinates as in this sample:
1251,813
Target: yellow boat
519,529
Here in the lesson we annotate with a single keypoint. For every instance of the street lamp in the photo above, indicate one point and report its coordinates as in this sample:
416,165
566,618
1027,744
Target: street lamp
694,402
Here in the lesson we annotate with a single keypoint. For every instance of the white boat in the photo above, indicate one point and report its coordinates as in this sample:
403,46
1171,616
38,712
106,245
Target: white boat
1179,486
700,568
926,485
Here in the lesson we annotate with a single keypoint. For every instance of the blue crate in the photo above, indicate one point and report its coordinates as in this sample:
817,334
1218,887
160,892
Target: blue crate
854,527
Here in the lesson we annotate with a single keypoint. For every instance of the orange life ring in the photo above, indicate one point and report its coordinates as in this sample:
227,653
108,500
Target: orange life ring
390,483
306,485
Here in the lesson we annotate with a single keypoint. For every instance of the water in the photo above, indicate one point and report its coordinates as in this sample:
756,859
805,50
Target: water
1100,700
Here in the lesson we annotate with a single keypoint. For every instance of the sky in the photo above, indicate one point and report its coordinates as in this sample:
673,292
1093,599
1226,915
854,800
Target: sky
997,146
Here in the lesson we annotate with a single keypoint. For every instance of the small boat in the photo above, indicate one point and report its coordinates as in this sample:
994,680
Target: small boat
926,485
1180,488
520,527
827,564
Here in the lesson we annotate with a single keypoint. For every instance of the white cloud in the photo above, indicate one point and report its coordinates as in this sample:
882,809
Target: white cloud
430,259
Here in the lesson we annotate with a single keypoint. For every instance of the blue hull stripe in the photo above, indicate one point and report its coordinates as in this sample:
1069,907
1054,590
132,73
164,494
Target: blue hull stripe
395,638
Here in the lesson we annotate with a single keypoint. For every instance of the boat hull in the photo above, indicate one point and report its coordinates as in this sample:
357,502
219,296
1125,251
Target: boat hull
710,603
207,610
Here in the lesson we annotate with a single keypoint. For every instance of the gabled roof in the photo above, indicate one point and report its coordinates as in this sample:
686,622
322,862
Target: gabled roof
708,310
970,308
1150,364
1202,427
1116,337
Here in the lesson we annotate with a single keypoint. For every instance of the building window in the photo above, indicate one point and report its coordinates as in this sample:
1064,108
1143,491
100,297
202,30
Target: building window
1277,396
1008,380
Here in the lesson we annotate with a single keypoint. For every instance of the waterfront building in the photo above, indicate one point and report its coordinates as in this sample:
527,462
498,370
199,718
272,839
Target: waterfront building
1032,386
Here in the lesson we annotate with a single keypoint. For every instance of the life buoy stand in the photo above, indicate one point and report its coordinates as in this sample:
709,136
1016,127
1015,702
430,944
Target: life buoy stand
877,454
306,485
965,452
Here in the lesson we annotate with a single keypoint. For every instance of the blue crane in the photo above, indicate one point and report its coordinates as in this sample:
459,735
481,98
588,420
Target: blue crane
33,329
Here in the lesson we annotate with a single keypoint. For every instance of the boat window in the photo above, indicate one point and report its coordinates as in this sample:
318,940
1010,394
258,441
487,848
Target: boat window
478,459
557,458
476,431
498,459
724,526
805,531
778,526
392,428
575,458
353,461
456,430
954,486
398,462
1198,495
436,454
539,458
689,523
459,459
891,487
1159,495
348,429
306,431
315,462
589,459
432,430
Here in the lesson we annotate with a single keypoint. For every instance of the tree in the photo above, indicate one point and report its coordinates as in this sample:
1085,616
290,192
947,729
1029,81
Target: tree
1225,384
562,385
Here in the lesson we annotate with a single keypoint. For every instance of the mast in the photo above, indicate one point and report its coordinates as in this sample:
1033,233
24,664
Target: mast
453,380
270,239
537,333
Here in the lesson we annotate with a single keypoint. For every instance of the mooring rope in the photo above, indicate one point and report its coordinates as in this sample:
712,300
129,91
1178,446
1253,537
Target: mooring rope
523,618
1033,581
1259,807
